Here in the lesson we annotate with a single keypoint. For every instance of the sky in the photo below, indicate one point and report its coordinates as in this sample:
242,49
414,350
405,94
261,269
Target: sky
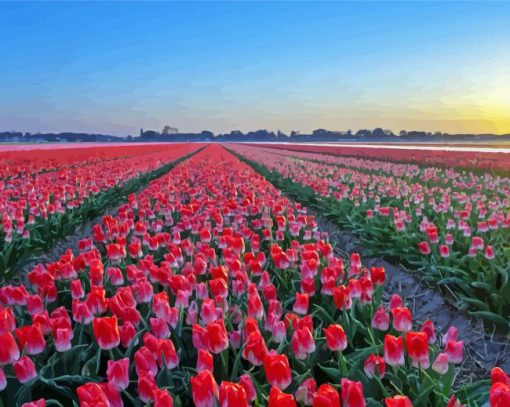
114,67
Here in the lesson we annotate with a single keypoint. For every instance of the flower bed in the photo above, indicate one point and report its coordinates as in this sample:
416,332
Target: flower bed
211,288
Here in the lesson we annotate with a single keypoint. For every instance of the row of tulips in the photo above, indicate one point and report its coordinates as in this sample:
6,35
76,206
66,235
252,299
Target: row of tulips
44,206
39,158
419,155
452,227
211,288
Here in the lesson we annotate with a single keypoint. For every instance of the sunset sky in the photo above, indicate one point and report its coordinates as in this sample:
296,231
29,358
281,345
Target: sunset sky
115,67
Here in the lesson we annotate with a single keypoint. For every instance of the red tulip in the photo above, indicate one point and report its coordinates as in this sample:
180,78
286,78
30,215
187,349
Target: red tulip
301,304
373,362
255,349
62,338
7,321
499,395
127,333
277,370
499,376
37,403
428,328
162,398
232,395
398,401
440,365
9,351
306,391
106,332
199,337
424,248
453,402
167,355
118,373
418,349
342,298
396,301
247,383
393,350
3,380
444,251
326,396
277,398
336,338
91,395
30,338
204,361
159,328
489,253
24,369
146,386
381,319
217,336
352,393
145,361
204,389
302,342
402,319
454,351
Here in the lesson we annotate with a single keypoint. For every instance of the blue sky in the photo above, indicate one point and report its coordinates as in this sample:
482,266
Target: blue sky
114,67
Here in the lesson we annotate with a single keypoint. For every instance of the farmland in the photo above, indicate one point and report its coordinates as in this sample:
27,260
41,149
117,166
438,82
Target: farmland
210,274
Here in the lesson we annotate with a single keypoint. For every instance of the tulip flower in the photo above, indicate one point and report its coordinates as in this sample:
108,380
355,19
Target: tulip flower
3,380
454,350
302,342
232,394
301,304
277,370
162,398
91,394
381,319
30,338
204,389
118,373
336,338
306,391
499,376
499,395
9,351
146,386
342,298
398,401
393,350
7,320
24,369
429,329
402,319
440,364
326,396
217,337
424,248
37,403
106,332
352,393
255,349
277,398
373,362
418,348
247,383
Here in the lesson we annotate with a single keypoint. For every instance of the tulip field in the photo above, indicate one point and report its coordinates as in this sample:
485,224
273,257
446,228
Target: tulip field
200,275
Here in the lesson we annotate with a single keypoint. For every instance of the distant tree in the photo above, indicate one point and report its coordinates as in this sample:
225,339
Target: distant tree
378,132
